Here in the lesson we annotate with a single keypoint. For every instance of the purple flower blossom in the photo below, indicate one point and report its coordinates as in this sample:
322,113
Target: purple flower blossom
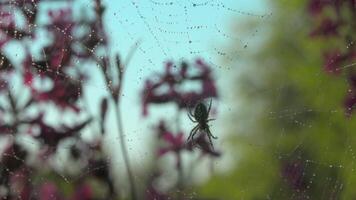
49,191
20,184
83,192
13,157
52,136
53,63
203,144
315,7
152,93
333,61
328,27
350,99
337,28
152,193
175,143
64,94
293,173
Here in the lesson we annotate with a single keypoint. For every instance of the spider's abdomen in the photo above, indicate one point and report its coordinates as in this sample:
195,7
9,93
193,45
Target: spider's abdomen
201,112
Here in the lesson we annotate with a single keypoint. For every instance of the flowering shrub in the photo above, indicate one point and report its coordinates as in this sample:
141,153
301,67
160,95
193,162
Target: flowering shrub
53,78
335,19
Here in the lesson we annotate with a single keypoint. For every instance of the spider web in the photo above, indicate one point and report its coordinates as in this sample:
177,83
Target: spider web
173,30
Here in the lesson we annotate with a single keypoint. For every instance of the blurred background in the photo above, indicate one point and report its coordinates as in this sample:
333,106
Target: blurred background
95,97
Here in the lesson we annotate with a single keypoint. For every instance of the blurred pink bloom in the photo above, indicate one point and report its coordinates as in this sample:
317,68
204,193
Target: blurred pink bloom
64,94
152,193
350,100
315,7
13,157
293,173
333,62
52,64
60,52
20,184
203,143
83,192
168,87
8,27
175,143
49,191
52,136
328,27
3,85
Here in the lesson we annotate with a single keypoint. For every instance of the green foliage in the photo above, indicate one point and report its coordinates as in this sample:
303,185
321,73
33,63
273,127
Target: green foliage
296,111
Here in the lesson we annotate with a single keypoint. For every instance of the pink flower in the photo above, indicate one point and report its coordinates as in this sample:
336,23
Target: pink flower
203,143
349,103
175,143
152,193
8,27
20,183
5,64
316,6
168,87
49,191
7,129
333,61
7,20
350,100
3,40
28,78
52,136
293,173
3,85
64,94
328,27
13,157
83,192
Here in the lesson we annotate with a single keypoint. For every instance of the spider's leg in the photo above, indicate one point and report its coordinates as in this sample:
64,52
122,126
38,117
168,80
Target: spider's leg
211,142
190,112
191,117
208,120
198,130
192,132
210,134
210,106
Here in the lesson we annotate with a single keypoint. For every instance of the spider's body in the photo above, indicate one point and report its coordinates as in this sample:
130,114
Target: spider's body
201,116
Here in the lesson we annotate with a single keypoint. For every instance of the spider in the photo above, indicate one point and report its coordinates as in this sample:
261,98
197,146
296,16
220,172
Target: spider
200,116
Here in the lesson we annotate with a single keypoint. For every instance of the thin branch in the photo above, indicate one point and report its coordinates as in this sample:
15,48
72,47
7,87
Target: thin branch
120,123
125,152
115,97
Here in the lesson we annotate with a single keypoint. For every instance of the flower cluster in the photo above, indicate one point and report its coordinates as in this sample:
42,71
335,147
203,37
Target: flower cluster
52,77
173,80
335,19
171,87
293,173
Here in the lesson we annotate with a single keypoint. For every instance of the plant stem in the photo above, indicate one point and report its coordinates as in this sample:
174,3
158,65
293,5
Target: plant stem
180,176
117,101
124,151
179,161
